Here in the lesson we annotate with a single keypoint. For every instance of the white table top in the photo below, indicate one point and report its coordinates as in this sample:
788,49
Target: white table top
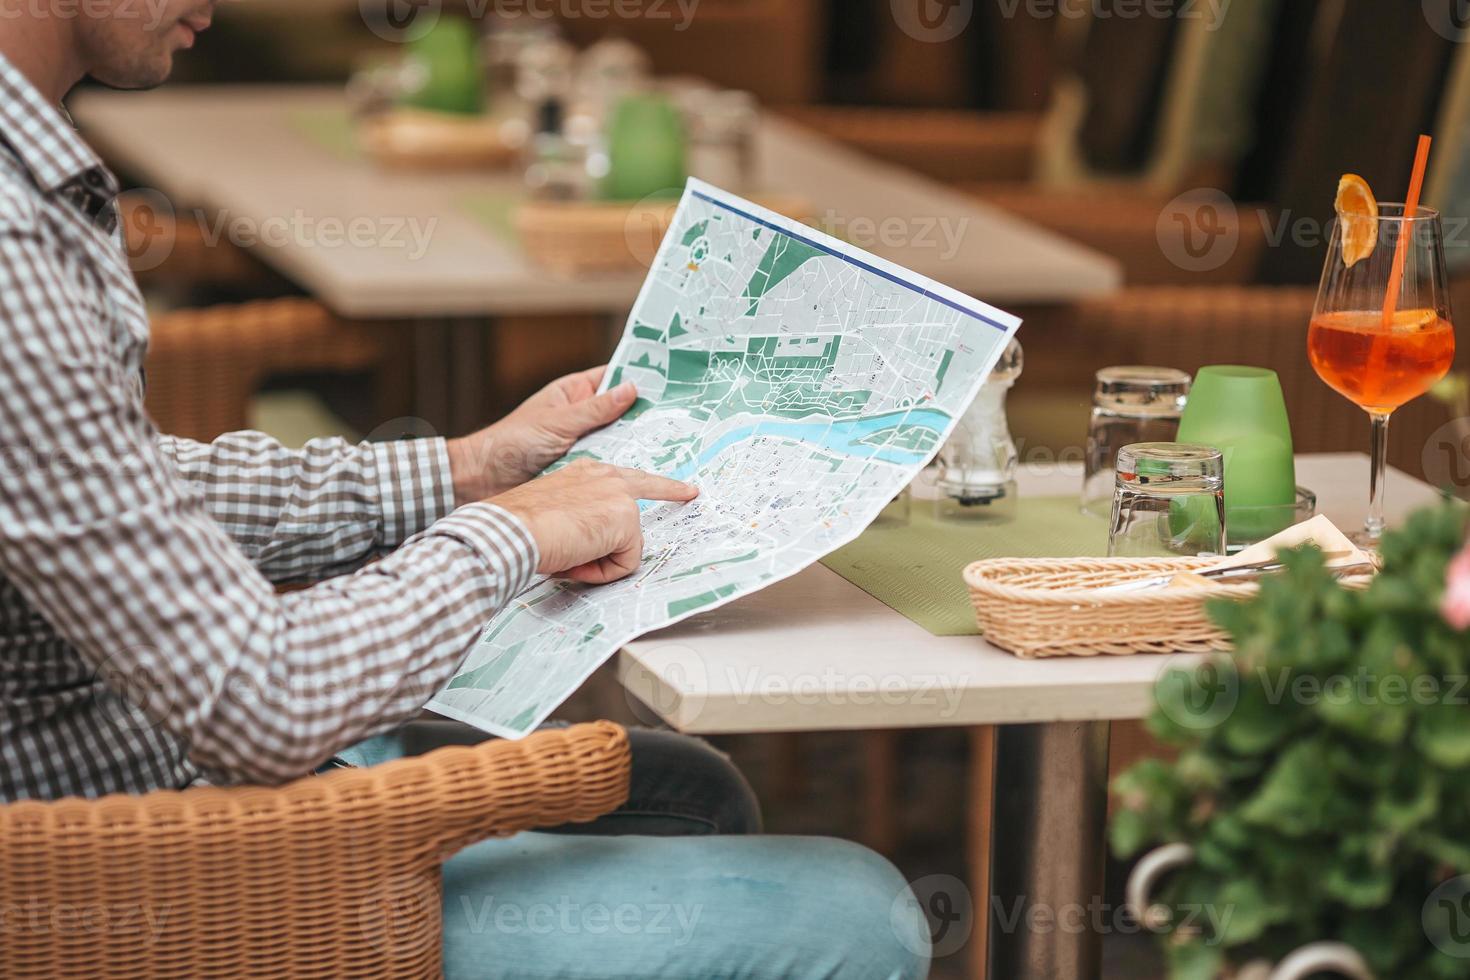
817,653
234,151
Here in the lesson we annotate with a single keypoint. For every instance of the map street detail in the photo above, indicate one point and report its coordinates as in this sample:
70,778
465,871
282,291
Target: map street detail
799,382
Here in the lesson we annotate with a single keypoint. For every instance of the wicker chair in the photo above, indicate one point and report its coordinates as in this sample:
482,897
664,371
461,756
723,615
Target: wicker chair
945,144
167,250
1126,224
205,365
330,876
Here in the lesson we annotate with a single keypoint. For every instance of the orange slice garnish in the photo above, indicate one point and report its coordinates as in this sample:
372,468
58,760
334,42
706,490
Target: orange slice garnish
1358,210
1412,321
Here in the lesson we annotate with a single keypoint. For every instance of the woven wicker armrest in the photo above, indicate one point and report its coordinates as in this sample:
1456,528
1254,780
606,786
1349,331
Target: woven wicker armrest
204,365
334,875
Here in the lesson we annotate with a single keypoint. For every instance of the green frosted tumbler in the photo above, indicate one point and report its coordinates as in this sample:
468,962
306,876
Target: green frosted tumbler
453,79
645,149
1241,412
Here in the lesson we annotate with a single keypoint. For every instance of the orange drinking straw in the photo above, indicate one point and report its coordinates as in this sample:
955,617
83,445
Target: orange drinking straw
1411,207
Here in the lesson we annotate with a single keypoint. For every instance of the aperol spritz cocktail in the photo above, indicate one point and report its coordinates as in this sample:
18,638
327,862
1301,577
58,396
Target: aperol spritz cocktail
1377,368
1377,353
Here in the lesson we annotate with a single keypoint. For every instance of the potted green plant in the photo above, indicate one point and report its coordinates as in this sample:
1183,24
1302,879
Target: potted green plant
1322,789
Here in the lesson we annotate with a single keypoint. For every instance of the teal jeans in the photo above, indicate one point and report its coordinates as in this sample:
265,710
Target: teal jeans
677,883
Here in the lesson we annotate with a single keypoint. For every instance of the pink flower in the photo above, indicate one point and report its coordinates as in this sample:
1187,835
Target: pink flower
1456,605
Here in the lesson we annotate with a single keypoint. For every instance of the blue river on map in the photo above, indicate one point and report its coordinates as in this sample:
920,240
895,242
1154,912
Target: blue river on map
843,437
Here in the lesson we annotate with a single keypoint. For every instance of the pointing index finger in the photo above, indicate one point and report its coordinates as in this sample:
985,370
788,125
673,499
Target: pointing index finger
650,486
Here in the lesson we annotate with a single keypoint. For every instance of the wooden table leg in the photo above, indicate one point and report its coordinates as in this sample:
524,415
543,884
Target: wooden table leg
979,807
528,351
1048,851
452,376
468,376
431,374
880,799
787,770
471,370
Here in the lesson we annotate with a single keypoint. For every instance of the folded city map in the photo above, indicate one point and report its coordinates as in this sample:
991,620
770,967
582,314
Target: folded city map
800,382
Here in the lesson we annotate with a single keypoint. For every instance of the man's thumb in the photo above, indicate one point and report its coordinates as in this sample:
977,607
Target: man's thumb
595,412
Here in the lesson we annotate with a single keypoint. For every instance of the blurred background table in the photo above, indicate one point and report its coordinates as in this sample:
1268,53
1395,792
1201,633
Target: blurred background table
1039,748
244,157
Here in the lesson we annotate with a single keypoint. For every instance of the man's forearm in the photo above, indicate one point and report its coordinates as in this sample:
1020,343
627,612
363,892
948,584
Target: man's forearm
328,666
320,510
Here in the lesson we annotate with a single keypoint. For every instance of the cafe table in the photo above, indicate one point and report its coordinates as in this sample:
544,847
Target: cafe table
281,159
816,653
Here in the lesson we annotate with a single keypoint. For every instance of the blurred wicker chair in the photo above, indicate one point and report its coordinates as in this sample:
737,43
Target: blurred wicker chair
167,250
1126,224
205,365
945,144
330,876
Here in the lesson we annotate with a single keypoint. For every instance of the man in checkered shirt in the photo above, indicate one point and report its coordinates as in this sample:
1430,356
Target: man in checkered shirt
143,644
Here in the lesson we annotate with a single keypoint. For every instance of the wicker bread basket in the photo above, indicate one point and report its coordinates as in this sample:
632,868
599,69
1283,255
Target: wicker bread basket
575,238
415,139
1049,607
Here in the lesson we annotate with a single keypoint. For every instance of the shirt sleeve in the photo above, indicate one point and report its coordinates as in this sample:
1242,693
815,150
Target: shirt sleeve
108,544
320,510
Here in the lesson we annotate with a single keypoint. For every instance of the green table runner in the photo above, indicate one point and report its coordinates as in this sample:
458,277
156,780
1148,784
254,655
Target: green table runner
495,209
329,128
916,568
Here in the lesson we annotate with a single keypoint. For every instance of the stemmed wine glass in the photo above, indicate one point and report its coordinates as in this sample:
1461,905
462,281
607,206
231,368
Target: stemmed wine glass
1376,350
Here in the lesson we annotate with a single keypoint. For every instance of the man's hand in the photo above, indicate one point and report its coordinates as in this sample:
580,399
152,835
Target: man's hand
535,435
584,517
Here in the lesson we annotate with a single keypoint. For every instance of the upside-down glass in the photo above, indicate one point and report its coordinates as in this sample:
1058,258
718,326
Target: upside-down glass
1379,364
1169,501
1129,404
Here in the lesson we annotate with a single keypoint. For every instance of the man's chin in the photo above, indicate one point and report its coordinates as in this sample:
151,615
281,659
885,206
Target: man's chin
135,78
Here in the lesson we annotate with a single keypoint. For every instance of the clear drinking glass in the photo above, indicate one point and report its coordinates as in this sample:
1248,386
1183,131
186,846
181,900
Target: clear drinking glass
1129,404
1169,501
1380,352
722,133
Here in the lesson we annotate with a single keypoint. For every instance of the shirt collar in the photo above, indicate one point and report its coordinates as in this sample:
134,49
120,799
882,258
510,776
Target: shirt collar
41,134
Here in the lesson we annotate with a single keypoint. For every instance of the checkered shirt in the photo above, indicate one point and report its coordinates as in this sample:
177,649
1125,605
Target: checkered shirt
142,643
